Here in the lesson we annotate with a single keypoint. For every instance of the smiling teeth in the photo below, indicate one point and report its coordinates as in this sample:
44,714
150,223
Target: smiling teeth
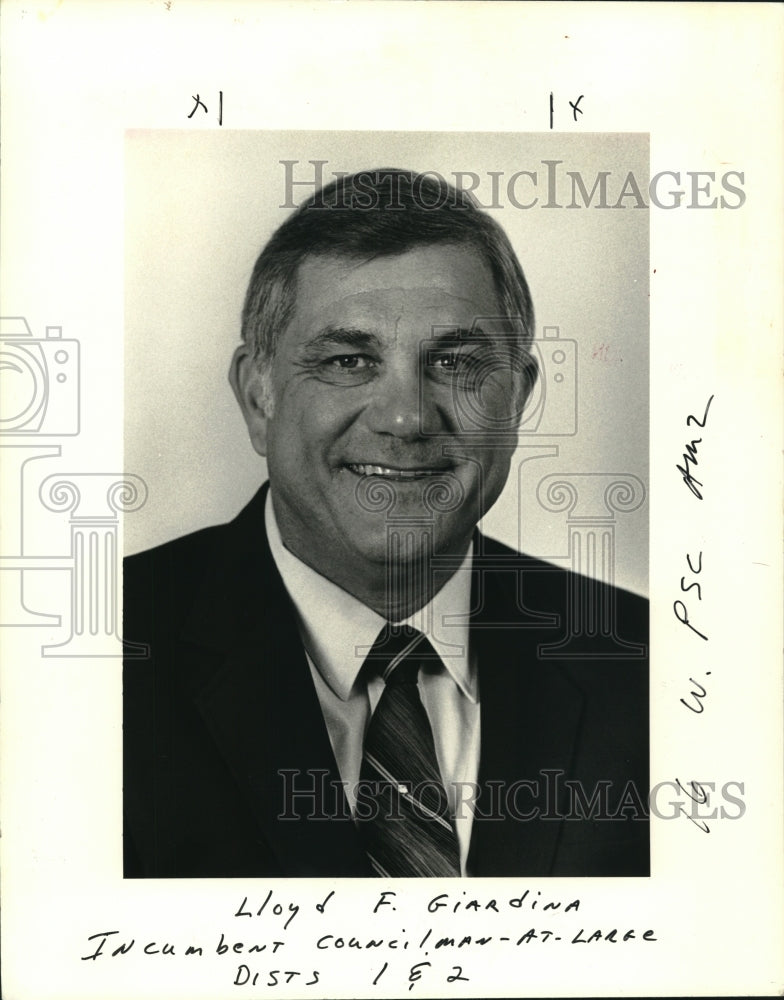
383,470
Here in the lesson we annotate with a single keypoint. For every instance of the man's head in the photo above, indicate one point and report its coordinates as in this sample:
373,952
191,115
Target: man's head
385,352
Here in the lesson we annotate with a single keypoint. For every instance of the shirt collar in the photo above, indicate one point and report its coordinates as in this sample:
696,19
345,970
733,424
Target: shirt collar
338,630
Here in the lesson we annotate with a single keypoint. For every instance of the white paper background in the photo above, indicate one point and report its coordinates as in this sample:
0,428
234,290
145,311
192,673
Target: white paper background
705,81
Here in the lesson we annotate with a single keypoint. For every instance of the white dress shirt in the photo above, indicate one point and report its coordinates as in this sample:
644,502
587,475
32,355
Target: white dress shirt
337,632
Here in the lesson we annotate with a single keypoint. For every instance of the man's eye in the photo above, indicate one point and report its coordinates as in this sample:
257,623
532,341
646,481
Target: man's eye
349,362
448,361
452,361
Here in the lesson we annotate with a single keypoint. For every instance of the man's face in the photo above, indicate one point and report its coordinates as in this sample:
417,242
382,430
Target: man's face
372,383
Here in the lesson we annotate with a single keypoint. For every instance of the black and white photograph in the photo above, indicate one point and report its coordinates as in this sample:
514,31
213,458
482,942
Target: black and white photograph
392,376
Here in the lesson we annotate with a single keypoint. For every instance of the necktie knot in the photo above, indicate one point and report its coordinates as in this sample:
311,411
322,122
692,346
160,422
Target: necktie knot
398,653
404,673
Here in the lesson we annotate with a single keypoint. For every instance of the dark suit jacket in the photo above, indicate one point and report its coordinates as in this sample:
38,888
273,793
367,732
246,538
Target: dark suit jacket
224,703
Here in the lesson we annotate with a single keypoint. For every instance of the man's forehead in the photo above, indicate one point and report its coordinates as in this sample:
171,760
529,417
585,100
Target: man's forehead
439,278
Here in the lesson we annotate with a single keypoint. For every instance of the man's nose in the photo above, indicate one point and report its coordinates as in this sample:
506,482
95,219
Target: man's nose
401,404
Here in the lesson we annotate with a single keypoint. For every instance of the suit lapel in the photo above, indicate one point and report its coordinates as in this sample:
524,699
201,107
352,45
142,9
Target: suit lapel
261,708
530,716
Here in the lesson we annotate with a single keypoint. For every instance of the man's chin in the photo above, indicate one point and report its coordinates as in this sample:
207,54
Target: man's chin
401,545
406,541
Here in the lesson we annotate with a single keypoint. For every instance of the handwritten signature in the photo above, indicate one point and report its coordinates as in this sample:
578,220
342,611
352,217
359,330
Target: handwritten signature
690,455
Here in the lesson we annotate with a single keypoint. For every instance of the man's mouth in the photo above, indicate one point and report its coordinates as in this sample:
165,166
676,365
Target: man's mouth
390,472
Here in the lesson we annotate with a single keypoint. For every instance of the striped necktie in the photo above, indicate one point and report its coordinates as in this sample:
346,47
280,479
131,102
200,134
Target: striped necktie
403,812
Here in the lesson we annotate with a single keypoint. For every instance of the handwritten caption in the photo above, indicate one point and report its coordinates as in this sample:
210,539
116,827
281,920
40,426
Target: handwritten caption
277,938
691,583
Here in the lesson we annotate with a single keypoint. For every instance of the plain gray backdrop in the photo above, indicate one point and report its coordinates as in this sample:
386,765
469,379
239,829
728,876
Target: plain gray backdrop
201,204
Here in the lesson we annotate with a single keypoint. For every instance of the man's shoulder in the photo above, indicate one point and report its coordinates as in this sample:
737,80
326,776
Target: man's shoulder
204,547
571,618
494,557
177,551
161,584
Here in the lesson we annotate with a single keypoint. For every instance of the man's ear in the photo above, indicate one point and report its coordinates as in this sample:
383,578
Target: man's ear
526,381
251,390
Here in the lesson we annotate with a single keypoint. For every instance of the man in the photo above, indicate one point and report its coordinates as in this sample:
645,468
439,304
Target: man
349,679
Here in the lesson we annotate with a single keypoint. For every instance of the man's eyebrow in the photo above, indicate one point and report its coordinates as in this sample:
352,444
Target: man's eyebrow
341,336
458,334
